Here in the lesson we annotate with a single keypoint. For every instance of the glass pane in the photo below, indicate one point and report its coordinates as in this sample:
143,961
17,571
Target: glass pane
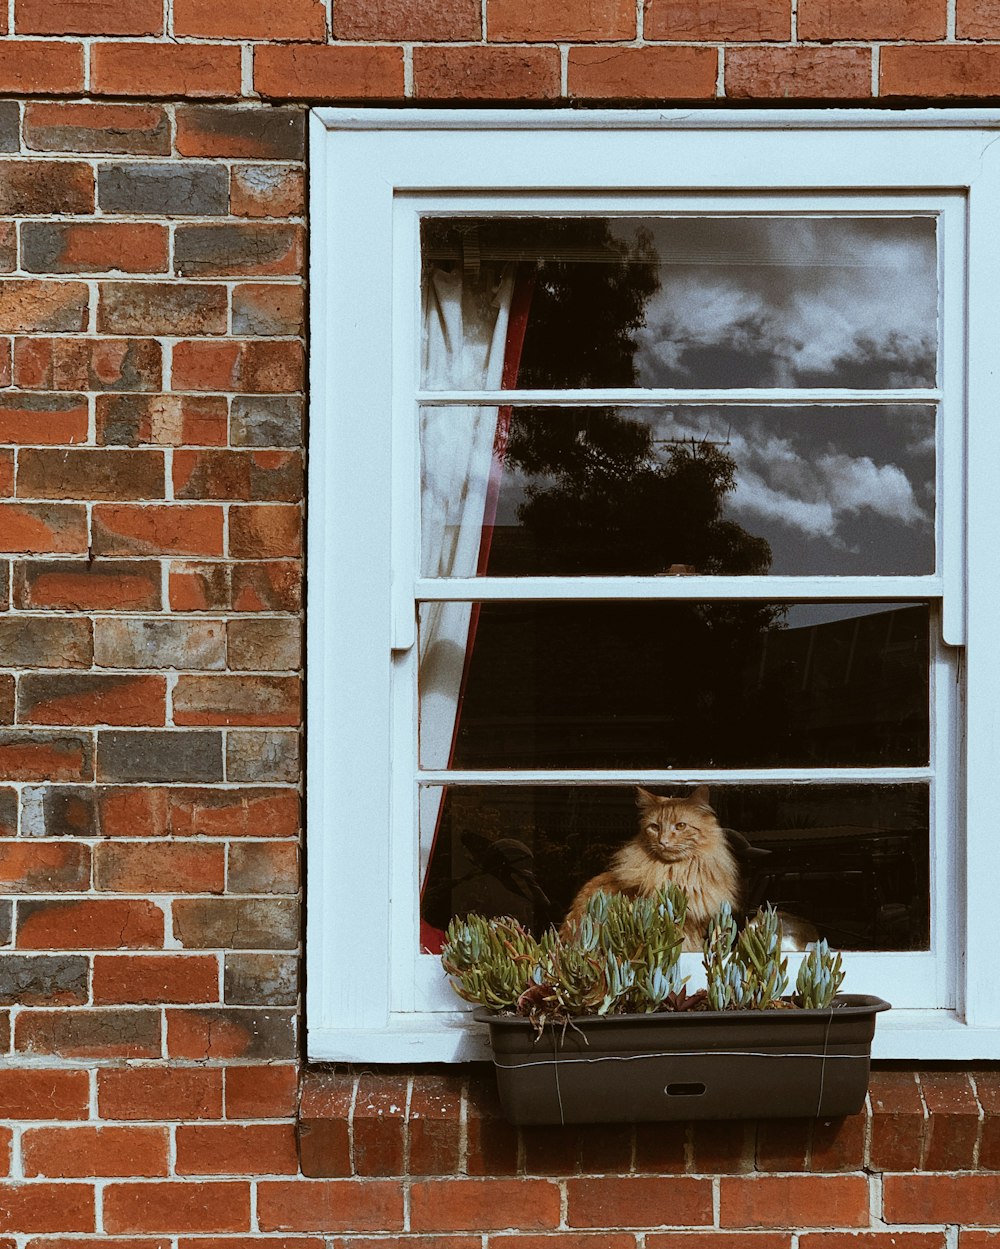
709,490
673,685
685,301
846,862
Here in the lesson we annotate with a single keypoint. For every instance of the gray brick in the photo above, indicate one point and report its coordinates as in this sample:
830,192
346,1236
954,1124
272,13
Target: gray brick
10,126
198,644
44,642
6,920
164,190
237,923
267,421
184,755
8,812
41,980
58,811
261,979
237,249
262,133
271,755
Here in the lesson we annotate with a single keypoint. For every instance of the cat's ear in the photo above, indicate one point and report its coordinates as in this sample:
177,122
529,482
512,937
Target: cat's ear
644,800
700,796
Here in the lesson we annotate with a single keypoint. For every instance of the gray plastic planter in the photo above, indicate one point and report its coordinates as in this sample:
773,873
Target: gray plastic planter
687,1065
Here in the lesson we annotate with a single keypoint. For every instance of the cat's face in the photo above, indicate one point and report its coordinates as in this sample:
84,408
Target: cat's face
675,828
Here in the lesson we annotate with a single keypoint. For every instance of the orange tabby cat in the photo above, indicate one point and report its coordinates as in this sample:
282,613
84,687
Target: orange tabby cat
679,840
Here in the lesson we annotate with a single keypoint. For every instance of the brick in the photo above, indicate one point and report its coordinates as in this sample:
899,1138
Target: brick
486,73
245,19
268,308
88,586
798,73
148,69
464,1205
38,980
379,1125
550,1150
988,1093
265,532
724,1148
262,756
640,1201
897,1121
164,756
783,1144
175,1206
28,305
157,643
329,1206
265,645
58,811
200,587
435,1121
265,1092
420,1242
159,1093
243,133
267,421
642,73
6,698
88,17
224,474
64,1153
64,1094
78,1033
6,489
100,1242
267,191
8,828
43,527
87,364
948,72
838,1144
492,1143
31,419
182,188
155,978
8,263
166,867
519,21
605,1148
135,129
40,641
253,1242
304,71
44,867
34,756
93,247
565,1240
977,1240
261,980
234,250
977,19
723,1240
43,1207
83,698
237,923
873,1240
245,700
169,420
245,366
41,67
753,21
953,1121
263,867
150,812
165,530
971,1200
236,1149
230,1032
172,308
267,586
90,474
10,120
856,20
49,187
92,924
796,1201
406,20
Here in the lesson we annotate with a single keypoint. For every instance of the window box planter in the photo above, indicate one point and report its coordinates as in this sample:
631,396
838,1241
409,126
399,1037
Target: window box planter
686,1065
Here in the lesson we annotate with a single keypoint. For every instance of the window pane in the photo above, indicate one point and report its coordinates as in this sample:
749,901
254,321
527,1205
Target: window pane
673,685
732,490
851,861
680,301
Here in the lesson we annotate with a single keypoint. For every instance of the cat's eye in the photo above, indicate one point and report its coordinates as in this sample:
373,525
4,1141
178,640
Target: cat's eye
679,825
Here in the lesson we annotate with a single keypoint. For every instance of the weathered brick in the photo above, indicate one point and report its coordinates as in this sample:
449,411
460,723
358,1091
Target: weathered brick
8,828
423,20
167,420
639,1202
486,73
237,923
49,187
141,1092
261,980
709,21
78,1152
41,980
40,420
93,247
10,126
149,69
977,19
64,1094
43,1207
58,811
263,867
244,19
232,250
971,1200
199,812
224,474
165,530
159,643
87,364
435,1115
330,1206
230,1032
798,73
246,366
874,1240
6,698
162,308
473,1204
587,21
84,698
783,1144
91,924
305,71
838,1144
266,421
954,72
268,308
642,73
33,867
81,1033
175,1206
378,1120
7,491
29,755
161,756
265,645
736,1240
264,1092
41,67
28,305
898,1118
244,700
953,1121
88,17
267,532
43,527
254,133
263,756
155,978
138,129
159,867
236,1149
856,20
267,191
797,1201
184,188
8,247
84,585
324,1120
200,587
274,585
48,473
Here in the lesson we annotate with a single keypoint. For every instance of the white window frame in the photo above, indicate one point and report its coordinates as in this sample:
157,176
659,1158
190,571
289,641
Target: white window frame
370,996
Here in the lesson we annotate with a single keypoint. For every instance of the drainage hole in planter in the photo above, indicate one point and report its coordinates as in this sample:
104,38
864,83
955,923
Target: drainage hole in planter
684,1090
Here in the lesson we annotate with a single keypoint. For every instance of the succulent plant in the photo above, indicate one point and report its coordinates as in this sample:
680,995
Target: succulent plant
820,976
758,951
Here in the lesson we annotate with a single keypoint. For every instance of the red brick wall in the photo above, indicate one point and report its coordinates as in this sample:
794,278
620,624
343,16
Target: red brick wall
152,247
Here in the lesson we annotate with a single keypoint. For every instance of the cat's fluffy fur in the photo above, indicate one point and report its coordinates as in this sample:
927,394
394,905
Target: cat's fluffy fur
679,840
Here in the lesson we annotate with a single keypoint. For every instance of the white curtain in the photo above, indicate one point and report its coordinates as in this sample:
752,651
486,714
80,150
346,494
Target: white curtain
465,322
